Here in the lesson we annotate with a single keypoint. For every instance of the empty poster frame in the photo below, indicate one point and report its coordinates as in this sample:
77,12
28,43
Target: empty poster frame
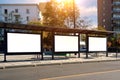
97,44
66,43
23,43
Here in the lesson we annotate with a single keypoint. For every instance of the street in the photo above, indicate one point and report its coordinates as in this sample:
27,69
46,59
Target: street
81,71
103,75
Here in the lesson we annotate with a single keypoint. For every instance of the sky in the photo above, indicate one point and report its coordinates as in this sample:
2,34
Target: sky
88,8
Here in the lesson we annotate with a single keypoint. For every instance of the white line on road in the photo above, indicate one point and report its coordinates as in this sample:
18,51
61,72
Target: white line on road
78,75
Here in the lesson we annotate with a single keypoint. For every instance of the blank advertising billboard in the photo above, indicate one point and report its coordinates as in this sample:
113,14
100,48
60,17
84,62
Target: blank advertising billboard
20,43
66,43
97,44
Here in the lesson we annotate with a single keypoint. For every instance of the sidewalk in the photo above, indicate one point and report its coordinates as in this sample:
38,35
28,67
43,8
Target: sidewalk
31,61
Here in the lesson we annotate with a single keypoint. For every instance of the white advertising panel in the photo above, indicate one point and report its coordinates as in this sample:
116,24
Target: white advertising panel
18,42
66,43
97,44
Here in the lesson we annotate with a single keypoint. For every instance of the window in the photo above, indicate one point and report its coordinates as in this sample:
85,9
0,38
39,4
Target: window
27,11
16,18
5,11
16,10
103,8
104,26
27,18
6,19
103,14
103,20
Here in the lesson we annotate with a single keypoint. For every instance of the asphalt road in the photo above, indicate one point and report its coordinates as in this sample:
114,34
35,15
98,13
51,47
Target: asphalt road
84,71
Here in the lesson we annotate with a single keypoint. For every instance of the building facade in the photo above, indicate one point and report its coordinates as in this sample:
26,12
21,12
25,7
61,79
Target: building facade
19,13
109,14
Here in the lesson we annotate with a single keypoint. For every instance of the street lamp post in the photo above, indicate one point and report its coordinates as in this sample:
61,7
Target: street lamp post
74,14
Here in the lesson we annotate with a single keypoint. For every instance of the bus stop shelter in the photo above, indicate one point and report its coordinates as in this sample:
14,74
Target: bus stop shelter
22,28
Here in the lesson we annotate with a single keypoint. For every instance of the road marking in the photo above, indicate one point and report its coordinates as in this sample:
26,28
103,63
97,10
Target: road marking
79,75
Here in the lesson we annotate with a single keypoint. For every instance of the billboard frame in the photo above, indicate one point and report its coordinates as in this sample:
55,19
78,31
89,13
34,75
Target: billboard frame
96,37
23,53
87,46
69,52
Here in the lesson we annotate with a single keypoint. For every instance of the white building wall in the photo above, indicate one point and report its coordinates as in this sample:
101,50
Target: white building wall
33,14
1,18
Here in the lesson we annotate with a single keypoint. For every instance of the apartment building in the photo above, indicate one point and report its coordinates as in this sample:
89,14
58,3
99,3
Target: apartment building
19,13
109,14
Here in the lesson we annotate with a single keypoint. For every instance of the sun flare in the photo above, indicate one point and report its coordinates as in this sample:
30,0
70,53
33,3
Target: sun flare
76,1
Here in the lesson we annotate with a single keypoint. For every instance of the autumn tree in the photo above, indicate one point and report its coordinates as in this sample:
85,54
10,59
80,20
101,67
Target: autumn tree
60,13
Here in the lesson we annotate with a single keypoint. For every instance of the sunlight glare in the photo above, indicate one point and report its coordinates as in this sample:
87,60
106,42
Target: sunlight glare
69,1
79,1
59,0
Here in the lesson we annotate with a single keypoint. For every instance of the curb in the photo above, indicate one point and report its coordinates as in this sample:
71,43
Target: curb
33,64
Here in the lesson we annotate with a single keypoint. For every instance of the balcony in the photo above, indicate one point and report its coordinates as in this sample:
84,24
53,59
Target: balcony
117,25
116,3
116,10
116,18
16,14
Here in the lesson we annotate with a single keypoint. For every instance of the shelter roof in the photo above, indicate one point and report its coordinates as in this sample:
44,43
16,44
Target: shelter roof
53,29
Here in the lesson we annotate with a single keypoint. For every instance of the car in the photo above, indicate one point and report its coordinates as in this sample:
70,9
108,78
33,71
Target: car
83,49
